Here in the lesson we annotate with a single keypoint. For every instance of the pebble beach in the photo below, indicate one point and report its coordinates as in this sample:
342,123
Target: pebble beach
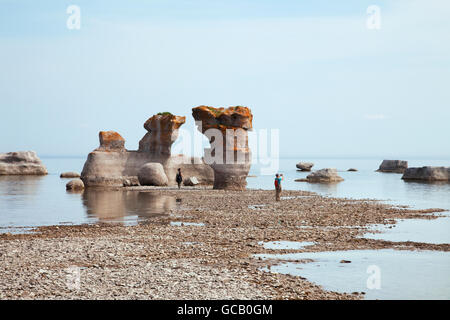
203,248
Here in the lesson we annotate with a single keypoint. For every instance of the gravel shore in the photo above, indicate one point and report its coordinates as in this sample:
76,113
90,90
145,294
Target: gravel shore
158,260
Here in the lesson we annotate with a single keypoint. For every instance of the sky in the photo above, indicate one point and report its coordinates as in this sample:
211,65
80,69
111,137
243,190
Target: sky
311,69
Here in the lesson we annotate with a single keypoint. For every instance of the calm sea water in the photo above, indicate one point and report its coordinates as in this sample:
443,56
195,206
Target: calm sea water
27,201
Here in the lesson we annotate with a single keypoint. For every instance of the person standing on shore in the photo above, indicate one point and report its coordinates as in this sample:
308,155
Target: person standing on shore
179,178
278,179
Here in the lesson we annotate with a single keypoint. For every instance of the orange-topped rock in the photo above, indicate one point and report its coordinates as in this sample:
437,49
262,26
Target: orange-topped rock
221,118
111,141
229,155
162,132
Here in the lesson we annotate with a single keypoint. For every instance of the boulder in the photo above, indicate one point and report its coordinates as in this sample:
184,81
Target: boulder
305,166
324,176
152,174
352,170
111,141
69,175
227,132
427,174
191,181
21,163
75,185
130,181
394,166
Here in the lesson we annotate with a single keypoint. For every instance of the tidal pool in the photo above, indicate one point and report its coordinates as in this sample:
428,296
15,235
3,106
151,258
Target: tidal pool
279,245
381,274
434,231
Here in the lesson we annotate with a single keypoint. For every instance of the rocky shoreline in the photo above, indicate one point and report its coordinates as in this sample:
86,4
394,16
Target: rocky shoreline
158,260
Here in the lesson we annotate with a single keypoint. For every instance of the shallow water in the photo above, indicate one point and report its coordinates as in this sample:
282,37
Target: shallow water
435,231
35,201
279,245
400,274
30,201
363,184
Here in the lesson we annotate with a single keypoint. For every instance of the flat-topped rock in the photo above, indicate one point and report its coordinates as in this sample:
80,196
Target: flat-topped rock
70,174
227,132
304,166
326,175
393,166
427,174
21,163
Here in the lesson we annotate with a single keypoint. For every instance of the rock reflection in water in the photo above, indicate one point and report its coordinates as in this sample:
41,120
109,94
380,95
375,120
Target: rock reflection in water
108,205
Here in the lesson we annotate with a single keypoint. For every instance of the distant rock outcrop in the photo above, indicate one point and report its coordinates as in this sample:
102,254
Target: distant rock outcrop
229,155
112,165
69,175
324,176
427,174
21,163
352,170
393,166
305,166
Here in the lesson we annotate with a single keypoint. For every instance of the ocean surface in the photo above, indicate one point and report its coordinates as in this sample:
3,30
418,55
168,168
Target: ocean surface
28,201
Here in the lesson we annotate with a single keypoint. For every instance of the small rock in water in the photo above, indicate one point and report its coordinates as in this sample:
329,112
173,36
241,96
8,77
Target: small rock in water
352,170
71,174
75,185
304,166
346,261
324,176
393,166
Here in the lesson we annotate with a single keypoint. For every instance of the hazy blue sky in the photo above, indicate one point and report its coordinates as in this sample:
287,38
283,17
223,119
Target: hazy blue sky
310,68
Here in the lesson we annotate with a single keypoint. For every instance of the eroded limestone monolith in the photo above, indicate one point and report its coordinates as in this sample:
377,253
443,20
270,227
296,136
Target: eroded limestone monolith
227,132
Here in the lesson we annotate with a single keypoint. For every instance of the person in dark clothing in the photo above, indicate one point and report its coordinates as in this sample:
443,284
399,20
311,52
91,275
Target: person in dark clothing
179,178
